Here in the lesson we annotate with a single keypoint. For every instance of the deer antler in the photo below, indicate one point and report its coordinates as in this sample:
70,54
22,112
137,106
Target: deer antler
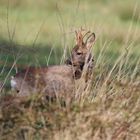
80,36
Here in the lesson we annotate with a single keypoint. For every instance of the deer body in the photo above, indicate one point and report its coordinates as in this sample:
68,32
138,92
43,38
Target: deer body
59,80
50,80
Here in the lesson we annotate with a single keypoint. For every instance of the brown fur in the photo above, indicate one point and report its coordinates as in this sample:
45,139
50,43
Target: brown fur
59,80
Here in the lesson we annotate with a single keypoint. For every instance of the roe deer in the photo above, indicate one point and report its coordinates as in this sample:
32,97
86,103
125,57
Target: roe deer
58,80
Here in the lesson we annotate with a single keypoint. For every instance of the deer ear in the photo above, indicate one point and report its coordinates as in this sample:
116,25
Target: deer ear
90,40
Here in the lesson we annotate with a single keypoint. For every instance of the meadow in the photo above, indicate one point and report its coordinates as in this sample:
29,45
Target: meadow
41,33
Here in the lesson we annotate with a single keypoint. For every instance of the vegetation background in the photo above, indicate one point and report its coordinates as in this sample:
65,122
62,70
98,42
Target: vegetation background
41,32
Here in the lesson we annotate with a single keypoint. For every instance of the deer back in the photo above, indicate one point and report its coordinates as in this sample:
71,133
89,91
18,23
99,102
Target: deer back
51,80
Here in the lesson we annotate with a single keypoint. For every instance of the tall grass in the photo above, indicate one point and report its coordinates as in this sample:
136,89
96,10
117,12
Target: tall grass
110,110
107,108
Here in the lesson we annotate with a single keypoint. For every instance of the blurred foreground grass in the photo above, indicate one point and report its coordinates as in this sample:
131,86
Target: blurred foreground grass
110,111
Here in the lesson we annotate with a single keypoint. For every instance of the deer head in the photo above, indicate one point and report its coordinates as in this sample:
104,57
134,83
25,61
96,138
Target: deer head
82,50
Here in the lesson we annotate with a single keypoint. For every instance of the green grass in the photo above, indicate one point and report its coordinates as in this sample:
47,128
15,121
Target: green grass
99,16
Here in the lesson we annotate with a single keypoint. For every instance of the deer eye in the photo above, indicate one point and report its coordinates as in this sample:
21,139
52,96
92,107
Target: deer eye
79,53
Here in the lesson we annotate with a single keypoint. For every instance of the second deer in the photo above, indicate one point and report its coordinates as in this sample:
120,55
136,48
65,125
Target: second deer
58,80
